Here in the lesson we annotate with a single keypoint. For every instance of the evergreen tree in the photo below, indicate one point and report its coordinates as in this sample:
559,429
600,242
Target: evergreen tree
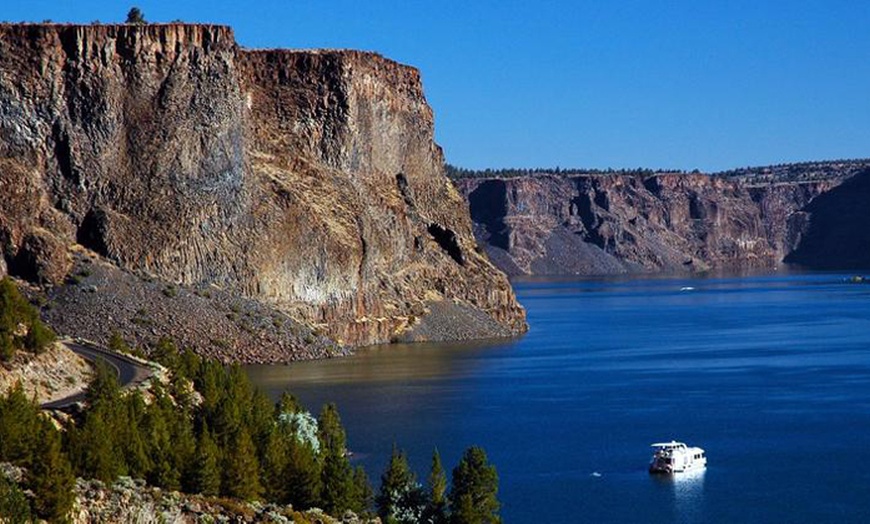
474,496
92,448
206,477
288,404
20,420
103,388
274,462
20,326
259,415
337,491
118,344
361,491
51,478
189,365
211,384
39,336
233,403
302,475
14,507
298,430
436,512
159,421
95,446
183,442
241,469
131,438
135,16
398,484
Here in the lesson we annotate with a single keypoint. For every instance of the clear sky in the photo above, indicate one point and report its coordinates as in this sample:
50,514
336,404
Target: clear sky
662,84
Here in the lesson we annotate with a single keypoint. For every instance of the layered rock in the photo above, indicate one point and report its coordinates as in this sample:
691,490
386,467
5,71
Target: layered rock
622,223
308,180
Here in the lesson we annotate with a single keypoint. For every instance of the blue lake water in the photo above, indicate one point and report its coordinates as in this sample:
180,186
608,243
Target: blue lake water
770,374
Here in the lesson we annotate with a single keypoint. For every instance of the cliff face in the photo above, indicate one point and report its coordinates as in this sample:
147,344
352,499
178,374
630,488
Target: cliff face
307,180
833,231
605,224
376,230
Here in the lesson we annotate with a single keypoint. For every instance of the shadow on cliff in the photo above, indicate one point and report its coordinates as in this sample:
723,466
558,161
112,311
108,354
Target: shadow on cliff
488,206
838,233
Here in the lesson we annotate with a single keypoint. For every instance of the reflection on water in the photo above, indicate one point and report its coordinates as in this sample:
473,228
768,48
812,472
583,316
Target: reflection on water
397,362
687,492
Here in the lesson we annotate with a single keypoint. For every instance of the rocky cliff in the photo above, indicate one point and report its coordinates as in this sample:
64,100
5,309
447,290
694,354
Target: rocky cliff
306,180
624,223
833,231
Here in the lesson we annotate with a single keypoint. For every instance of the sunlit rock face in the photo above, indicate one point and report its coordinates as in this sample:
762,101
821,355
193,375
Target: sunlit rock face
309,180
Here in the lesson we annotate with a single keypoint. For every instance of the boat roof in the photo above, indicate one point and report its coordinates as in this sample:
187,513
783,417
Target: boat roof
671,444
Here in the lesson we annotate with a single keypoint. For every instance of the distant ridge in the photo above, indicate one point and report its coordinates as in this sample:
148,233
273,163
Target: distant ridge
786,172
598,222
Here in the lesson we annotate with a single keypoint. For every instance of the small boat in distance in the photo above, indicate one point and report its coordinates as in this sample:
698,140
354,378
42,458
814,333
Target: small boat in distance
676,457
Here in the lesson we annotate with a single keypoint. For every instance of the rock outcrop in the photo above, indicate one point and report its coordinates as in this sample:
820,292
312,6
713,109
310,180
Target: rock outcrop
308,180
53,374
628,223
131,500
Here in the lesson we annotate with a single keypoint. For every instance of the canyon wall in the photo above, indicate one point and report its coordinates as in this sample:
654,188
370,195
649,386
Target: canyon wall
628,223
834,229
308,180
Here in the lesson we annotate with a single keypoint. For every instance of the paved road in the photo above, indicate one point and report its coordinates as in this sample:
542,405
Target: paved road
130,372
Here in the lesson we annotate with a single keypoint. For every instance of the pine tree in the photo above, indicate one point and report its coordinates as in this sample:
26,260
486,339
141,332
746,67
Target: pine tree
288,404
131,438
302,476
118,344
135,16
361,491
20,420
260,415
51,478
159,421
274,462
436,512
337,493
241,469
396,481
100,444
166,352
234,402
14,507
103,388
206,475
474,496
20,326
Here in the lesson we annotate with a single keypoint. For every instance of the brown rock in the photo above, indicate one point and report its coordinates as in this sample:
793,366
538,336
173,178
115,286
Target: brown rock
42,258
309,180
621,223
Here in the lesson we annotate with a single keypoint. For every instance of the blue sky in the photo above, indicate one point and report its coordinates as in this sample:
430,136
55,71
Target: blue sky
671,84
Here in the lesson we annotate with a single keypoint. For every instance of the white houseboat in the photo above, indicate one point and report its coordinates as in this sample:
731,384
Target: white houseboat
676,457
